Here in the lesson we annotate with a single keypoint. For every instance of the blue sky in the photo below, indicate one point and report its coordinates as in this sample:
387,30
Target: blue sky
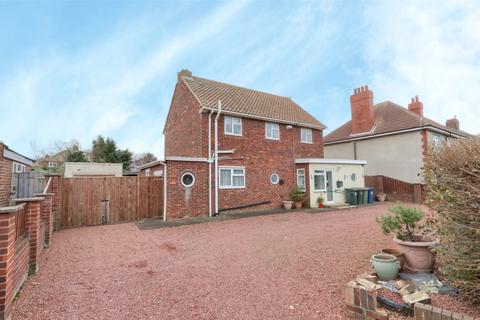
76,69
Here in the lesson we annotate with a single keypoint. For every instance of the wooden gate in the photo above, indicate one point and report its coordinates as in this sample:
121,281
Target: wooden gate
94,200
27,184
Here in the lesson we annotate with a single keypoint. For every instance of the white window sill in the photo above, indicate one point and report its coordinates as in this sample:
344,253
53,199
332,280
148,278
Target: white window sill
226,188
272,139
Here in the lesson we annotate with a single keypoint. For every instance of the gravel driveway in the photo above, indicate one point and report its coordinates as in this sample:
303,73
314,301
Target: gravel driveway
284,266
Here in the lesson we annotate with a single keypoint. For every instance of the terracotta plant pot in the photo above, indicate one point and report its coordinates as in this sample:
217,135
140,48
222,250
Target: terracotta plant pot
418,255
386,266
298,205
397,253
287,205
381,197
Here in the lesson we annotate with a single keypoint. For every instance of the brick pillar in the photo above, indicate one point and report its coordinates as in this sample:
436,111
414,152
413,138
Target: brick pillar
55,187
33,208
47,216
7,247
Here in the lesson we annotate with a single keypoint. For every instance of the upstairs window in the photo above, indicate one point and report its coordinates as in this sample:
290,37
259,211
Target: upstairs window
272,131
437,140
18,167
306,135
52,164
233,126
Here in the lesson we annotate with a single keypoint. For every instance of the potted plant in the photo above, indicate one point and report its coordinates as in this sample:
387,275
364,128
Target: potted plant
320,202
416,247
386,266
287,204
381,197
297,195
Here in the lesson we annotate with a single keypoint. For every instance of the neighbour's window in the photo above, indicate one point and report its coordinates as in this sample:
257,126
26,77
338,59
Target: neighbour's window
158,173
272,131
232,178
319,180
306,135
301,179
274,178
52,164
436,140
18,167
147,173
187,179
233,126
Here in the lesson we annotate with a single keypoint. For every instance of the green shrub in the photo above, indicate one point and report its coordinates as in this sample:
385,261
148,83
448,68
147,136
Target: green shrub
402,223
452,176
297,195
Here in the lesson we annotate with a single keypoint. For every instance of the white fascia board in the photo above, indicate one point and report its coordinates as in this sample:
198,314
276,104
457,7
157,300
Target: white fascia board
12,155
330,161
150,164
187,159
431,128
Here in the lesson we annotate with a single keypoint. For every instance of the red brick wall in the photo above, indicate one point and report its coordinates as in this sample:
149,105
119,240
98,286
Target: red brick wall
185,202
183,128
5,178
262,157
20,263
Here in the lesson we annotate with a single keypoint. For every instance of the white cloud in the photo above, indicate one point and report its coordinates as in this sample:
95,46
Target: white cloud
429,49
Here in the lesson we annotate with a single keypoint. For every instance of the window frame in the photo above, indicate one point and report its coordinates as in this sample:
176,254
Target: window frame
436,140
304,187
52,164
324,175
278,178
193,180
266,131
147,172
232,174
18,167
302,130
232,133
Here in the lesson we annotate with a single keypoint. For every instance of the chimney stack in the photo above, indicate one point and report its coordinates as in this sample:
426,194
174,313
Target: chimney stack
416,106
453,123
361,103
183,73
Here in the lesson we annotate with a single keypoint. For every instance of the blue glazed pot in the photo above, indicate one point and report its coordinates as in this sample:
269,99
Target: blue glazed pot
386,266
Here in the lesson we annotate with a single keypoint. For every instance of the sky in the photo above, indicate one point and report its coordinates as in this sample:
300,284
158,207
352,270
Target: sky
79,69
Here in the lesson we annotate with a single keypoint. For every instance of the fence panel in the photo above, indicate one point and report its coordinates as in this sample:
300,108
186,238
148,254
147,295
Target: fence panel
93,200
29,183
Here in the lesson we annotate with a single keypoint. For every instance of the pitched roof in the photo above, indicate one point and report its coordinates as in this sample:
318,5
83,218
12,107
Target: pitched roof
389,117
248,102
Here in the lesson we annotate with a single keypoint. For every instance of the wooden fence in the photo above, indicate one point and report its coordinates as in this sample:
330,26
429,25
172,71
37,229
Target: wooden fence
27,184
396,190
94,200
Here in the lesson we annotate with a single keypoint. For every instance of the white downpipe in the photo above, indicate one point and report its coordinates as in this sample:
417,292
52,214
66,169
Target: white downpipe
210,163
219,110
165,191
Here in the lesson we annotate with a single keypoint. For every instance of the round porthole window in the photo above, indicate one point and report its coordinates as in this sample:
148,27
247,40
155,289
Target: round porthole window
274,178
354,176
187,179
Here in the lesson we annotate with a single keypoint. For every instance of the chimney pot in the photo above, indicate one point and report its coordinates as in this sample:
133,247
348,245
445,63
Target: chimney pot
361,103
453,123
416,106
183,73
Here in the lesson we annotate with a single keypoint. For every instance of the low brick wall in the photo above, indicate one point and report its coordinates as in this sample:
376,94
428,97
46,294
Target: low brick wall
428,312
20,263
362,303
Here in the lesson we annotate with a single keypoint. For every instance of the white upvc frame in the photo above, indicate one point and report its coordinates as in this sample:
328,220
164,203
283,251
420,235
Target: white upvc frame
18,167
301,173
238,123
232,174
275,127
52,164
147,172
308,133
323,174
193,179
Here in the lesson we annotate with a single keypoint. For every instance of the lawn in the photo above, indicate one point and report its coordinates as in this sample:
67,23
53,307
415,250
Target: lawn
283,266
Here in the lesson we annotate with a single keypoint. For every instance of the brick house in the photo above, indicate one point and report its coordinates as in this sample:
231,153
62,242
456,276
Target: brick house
10,162
394,140
237,143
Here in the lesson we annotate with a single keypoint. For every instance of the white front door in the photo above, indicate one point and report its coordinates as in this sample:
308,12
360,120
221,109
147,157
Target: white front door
329,186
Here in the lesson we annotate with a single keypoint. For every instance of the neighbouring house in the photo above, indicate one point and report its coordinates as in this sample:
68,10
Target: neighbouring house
51,162
394,140
92,169
230,148
151,169
11,162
